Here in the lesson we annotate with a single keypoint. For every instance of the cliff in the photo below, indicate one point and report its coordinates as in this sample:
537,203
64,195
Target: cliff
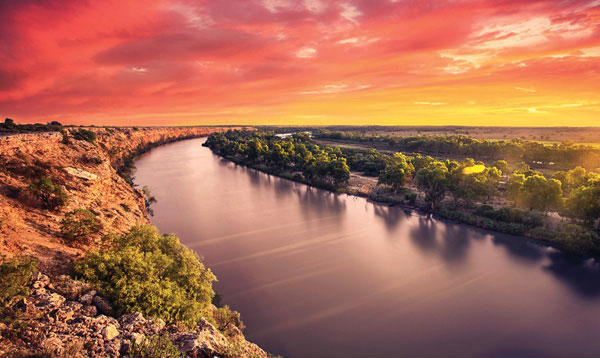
59,321
87,173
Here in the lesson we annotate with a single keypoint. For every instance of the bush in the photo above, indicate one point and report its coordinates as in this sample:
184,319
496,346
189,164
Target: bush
15,277
48,193
578,239
84,134
411,198
225,318
154,347
150,273
78,224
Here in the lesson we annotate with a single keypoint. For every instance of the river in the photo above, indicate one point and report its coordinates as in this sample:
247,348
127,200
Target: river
317,274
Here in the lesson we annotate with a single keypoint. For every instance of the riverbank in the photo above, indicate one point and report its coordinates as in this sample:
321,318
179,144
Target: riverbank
360,186
44,178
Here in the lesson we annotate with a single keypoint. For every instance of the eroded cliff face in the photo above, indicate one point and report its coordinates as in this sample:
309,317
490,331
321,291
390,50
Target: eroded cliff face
63,317
86,172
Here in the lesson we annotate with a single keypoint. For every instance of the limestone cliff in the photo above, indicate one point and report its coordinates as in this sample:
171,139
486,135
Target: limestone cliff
61,315
87,173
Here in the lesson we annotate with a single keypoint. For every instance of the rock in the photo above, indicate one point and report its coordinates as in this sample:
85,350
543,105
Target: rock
113,348
89,311
102,305
80,173
110,332
52,345
70,288
132,321
87,298
40,280
50,301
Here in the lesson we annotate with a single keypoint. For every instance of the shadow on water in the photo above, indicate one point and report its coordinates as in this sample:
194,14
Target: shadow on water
392,217
450,242
581,275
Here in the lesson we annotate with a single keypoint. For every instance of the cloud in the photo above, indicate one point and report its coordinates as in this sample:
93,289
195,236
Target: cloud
431,103
306,52
530,90
258,58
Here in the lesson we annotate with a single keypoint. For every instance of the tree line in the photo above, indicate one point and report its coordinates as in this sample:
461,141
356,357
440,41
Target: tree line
321,166
564,154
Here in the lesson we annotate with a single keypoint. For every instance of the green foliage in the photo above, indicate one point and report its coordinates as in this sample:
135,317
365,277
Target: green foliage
149,199
433,182
513,215
396,173
564,154
84,134
502,165
151,273
50,195
325,167
78,224
584,204
225,318
541,194
578,239
9,126
15,278
156,346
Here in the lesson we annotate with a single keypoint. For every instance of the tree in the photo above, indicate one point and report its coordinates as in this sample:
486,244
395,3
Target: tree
396,173
541,194
502,165
584,204
339,171
9,122
513,187
256,149
433,181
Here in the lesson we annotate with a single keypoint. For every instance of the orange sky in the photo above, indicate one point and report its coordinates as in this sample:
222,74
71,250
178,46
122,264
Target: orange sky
389,62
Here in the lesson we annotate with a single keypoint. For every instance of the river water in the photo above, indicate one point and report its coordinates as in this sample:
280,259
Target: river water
317,274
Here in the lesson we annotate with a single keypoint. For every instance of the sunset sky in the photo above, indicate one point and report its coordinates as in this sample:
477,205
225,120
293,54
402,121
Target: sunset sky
389,62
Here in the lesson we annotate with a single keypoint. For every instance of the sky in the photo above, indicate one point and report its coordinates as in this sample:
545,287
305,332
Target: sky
309,62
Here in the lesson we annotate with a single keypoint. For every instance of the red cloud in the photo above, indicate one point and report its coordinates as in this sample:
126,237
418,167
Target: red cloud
85,59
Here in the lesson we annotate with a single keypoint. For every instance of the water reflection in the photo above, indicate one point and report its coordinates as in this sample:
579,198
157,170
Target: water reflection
581,275
318,274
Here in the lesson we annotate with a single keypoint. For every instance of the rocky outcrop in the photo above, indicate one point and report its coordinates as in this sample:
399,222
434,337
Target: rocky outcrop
63,318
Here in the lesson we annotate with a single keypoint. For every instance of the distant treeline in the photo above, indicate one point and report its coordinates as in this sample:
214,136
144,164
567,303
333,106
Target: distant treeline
556,155
10,127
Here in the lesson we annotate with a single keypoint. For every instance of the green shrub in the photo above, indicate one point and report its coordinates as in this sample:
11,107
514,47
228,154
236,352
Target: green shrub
84,134
543,234
15,277
48,193
154,347
225,318
78,224
411,198
150,273
578,239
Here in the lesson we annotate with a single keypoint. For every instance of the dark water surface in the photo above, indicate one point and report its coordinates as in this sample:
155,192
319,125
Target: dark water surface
317,274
